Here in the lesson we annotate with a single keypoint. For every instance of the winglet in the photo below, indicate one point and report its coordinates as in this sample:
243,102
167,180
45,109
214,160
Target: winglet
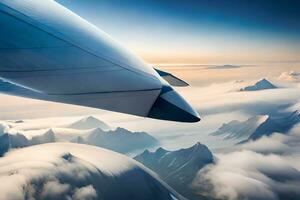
171,79
171,106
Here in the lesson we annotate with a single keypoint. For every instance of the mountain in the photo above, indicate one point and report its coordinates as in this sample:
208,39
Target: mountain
280,123
258,126
68,134
120,140
4,144
178,168
263,84
240,130
76,171
225,67
47,137
89,123
13,141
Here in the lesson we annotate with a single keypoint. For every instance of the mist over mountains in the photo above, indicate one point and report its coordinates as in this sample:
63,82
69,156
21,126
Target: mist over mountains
266,168
280,124
89,122
240,130
120,140
89,131
65,171
260,129
258,126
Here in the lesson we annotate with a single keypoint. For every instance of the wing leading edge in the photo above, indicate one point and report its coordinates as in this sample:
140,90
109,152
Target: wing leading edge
58,56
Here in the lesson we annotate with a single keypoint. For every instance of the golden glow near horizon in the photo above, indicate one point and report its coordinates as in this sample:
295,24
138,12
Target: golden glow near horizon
271,54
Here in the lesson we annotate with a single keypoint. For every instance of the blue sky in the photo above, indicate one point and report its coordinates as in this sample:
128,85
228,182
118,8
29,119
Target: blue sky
233,31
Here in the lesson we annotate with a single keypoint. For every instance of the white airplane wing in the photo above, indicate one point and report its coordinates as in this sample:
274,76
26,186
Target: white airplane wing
48,52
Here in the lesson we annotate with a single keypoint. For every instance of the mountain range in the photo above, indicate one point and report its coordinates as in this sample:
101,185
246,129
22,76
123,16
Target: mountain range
178,168
280,124
13,141
89,131
258,126
240,130
89,122
119,140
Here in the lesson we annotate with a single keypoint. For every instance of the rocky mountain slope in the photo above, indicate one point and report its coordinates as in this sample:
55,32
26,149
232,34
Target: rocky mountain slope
178,168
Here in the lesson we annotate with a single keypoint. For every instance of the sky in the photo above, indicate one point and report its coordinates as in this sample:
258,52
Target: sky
200,31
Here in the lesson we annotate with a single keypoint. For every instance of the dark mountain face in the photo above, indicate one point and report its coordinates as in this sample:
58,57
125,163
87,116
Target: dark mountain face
280,124
263,84
4,144
178,168
256,127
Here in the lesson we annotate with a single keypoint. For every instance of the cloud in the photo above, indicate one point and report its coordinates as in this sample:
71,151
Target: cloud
220,98
264,169
289,76
85,193
4,128
72,171
54,189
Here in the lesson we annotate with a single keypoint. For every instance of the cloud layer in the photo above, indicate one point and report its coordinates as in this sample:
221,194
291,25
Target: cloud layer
264,169
290,76
71,171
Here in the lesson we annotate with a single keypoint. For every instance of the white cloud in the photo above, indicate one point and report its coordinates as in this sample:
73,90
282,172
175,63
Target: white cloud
4,128
289,76
72,171
85,193
54,189
264,169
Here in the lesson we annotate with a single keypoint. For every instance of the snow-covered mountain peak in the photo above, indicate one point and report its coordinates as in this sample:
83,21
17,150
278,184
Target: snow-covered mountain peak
89,122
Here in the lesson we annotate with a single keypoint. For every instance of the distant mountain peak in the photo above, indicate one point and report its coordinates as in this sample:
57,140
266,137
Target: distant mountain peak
199,151
98,130
50,131
296,113
89,122
197,145
161,151
262,84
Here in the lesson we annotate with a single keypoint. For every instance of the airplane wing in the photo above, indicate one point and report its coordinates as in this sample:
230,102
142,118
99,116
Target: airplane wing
171,79
48,52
